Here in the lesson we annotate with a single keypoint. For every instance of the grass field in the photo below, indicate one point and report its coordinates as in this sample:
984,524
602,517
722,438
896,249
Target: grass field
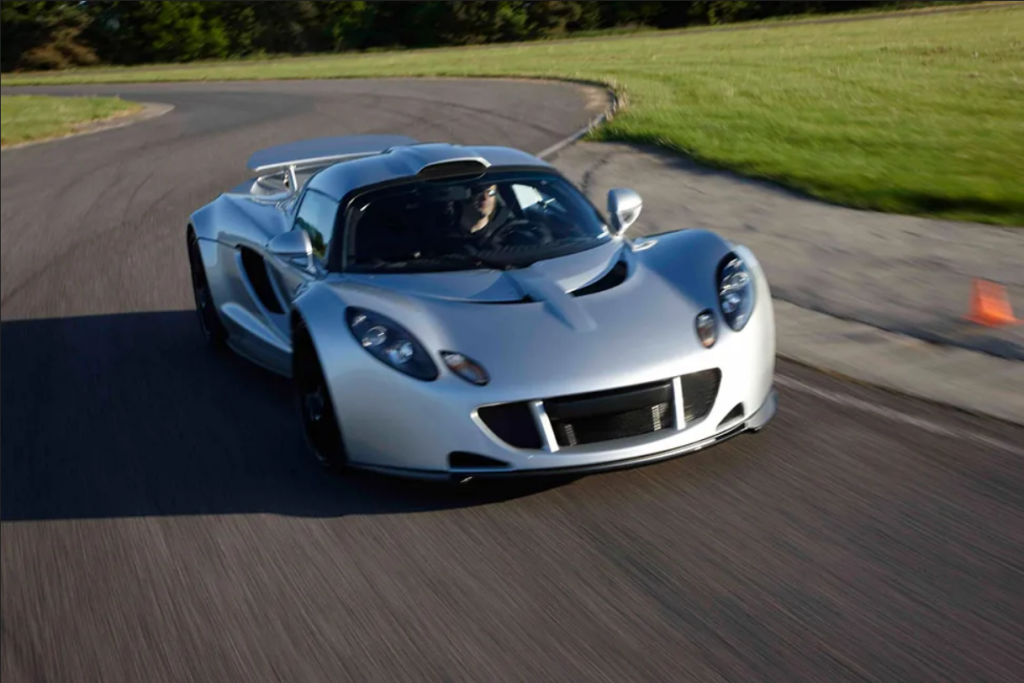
911,114
24,118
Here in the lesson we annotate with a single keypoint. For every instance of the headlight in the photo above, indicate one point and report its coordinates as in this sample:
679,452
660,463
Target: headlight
735,291
390,343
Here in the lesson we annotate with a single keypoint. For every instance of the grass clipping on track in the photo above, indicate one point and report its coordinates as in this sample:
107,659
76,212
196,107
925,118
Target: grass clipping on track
26,118
911,114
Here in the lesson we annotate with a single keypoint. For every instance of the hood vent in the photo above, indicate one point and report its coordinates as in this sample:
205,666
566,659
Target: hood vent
613,278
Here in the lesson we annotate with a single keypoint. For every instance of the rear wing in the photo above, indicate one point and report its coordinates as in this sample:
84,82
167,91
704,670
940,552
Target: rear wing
278,169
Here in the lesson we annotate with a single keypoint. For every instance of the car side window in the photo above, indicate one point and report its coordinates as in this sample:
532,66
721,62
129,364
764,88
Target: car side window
316,216
527,196
538,198
545,205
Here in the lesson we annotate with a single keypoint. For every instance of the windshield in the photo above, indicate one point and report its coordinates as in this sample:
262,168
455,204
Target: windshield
500,220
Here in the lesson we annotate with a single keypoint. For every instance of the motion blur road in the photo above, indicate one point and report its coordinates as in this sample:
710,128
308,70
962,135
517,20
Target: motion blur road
162,522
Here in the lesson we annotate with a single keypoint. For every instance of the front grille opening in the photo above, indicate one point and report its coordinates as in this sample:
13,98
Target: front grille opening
462,460
606,427
512,423
734,414
613,278
700,389
608,415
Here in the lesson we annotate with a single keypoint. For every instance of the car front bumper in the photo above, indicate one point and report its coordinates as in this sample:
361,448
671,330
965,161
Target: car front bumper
396,425
752,423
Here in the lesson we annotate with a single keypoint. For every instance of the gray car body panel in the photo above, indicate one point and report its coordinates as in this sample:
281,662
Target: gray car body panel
553,344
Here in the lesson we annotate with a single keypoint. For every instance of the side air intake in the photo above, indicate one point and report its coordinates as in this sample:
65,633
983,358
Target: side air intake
256,271
735,414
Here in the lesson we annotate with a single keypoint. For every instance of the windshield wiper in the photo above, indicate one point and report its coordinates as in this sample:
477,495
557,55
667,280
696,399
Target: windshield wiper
425,264
476,260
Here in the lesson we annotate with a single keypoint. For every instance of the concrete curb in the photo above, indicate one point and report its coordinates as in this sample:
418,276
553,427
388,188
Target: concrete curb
607,115
150,110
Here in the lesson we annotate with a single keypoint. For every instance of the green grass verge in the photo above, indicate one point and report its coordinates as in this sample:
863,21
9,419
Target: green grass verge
26,118
910,114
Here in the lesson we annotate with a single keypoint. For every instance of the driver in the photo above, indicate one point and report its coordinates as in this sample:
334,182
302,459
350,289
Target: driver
475,220
480,211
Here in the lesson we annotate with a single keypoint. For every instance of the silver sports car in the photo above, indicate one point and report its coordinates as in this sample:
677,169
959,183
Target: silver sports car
456,312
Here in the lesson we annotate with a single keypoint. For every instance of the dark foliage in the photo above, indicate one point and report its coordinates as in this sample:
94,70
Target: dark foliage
57,35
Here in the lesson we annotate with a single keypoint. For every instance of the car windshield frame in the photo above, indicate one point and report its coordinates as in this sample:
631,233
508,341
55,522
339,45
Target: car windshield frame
598,232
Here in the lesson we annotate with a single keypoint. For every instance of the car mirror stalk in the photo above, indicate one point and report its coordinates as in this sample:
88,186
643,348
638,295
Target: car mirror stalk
624,205
294,246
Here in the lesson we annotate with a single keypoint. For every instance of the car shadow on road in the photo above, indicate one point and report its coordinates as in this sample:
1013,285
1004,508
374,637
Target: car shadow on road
131,415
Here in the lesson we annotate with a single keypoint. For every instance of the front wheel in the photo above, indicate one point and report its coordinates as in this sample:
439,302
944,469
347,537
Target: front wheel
209,322
316,409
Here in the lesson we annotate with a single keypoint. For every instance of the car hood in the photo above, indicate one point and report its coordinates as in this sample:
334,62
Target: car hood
527,328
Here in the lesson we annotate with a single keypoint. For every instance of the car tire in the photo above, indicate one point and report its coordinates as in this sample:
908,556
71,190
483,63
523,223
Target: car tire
209,321
320,426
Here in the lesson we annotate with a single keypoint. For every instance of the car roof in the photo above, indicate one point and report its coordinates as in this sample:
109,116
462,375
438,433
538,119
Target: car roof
417,160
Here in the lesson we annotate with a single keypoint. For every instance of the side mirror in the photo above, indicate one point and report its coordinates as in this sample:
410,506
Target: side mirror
624,206
294,246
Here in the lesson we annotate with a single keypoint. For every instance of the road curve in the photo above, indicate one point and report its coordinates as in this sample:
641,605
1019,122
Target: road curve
160,521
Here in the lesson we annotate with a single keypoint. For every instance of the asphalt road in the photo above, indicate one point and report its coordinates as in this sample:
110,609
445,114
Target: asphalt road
161,522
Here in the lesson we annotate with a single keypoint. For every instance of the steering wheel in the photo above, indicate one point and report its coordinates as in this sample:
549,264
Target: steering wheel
535,234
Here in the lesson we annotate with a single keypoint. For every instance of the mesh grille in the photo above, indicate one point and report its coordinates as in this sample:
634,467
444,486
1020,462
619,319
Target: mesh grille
700,389
597,428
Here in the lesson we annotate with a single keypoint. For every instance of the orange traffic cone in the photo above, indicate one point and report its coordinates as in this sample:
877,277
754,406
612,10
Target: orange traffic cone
990,305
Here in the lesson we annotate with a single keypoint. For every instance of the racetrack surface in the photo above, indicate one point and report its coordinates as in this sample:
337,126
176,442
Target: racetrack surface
162,522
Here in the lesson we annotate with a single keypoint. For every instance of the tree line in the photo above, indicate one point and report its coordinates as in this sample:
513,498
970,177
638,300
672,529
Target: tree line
56,35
